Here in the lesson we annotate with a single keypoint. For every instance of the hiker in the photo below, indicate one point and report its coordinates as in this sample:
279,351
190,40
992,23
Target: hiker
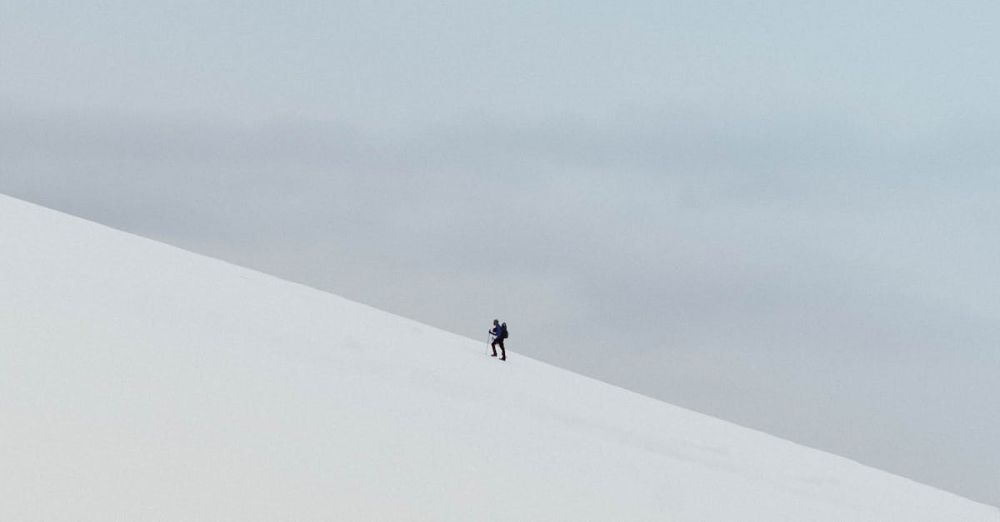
499,333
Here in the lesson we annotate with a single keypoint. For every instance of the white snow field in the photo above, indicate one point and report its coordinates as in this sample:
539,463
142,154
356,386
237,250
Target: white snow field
142,382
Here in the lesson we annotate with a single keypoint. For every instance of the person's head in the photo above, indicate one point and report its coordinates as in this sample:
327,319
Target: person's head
496,321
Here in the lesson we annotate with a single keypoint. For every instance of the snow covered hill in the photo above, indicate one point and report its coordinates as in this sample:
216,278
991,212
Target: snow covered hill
142,382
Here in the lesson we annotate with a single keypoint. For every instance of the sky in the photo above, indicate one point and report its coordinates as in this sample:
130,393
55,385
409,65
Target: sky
782,214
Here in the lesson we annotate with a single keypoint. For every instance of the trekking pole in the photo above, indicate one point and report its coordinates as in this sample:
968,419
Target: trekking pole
489,341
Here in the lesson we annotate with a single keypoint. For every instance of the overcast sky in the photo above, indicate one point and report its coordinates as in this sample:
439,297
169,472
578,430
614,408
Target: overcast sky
784,214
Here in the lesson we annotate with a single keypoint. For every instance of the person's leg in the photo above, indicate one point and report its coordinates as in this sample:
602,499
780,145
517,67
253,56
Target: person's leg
503,351
494,346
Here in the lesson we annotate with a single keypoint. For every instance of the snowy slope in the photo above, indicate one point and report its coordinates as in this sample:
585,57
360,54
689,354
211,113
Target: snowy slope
142,382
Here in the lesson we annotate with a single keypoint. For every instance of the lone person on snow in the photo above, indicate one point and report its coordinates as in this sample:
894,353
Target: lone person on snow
499,333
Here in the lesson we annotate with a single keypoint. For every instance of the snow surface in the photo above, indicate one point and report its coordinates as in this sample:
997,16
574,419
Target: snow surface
142,382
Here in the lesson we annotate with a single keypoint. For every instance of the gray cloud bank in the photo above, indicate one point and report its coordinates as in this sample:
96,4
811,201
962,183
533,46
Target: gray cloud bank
830,280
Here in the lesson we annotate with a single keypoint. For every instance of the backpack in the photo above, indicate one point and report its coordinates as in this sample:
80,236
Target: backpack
503,330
